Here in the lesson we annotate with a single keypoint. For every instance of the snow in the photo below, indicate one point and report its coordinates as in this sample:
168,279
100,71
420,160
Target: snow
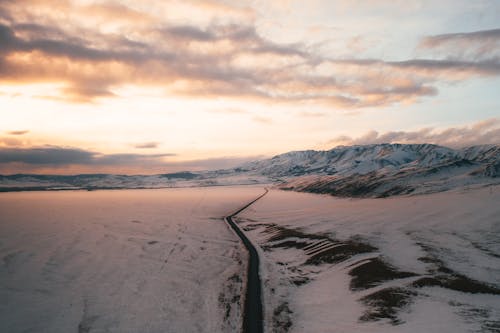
110,181
163,260
121,261
359,159
448,236
358,171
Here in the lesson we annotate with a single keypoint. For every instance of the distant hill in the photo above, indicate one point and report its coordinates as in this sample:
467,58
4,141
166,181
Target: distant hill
378,170
384,169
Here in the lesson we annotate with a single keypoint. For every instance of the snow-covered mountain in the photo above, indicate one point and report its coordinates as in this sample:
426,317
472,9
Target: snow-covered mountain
369,170
383,169
28,182
362,160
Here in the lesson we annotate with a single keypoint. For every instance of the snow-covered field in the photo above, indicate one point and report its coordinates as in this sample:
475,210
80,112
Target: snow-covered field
428,263
164,261
121,261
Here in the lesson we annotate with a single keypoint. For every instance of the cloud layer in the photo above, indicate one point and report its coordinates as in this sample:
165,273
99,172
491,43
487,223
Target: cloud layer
481,46
61,156
147,145
209,48
69,160
487,131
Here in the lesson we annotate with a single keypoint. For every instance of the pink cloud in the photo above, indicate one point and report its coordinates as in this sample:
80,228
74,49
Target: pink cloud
483,132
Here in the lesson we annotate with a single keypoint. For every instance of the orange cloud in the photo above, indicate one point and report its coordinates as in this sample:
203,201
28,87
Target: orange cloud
90,61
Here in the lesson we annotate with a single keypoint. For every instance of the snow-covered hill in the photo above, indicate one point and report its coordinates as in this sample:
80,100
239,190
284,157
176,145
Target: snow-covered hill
26,182
365,159
359,171
383,169
428,263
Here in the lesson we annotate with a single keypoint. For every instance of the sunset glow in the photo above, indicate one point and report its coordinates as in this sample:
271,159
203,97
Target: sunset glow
159,86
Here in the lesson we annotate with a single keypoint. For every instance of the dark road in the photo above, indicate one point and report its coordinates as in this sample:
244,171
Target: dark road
253,316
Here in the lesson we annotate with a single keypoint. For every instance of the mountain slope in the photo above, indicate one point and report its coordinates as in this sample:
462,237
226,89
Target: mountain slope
360,171
364,159
384,170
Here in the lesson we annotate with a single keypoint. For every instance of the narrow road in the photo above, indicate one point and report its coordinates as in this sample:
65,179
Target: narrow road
252,317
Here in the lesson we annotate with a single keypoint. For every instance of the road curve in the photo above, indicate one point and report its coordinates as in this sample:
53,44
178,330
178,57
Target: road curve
253,315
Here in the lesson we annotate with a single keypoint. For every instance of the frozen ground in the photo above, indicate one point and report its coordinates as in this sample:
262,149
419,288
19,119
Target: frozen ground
121,261
428,263
164,261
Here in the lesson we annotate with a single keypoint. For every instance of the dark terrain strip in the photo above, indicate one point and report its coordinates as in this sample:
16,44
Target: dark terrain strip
253,316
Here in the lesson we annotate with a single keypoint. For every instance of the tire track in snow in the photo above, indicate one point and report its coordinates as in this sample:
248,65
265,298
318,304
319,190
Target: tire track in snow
253,315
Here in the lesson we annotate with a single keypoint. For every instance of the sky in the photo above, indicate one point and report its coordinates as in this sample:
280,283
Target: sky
157,86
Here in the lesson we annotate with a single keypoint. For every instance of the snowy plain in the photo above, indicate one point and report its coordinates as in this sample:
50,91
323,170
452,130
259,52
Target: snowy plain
121,261
426,263
163,260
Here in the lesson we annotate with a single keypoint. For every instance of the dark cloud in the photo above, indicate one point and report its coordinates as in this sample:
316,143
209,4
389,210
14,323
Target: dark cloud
129,159
7,38
478,46
61,156
188,33
48,155
34,30
482,37
69,46
411,90
18,132
484,67
61,160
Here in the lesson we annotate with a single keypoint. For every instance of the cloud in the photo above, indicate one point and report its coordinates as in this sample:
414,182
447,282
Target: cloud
10,142
68,160
129,159
484,132
48,155
215,51
188,33
482,36
147,145
71,49
484,67
116,12
15,139
18,132
62,156
483,44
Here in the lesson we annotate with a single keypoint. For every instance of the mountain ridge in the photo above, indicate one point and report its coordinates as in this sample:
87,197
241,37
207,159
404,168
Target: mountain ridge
366,158
375,170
